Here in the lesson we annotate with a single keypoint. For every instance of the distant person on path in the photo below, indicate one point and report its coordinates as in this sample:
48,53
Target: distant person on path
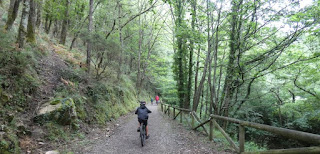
157,99
143,116
151,101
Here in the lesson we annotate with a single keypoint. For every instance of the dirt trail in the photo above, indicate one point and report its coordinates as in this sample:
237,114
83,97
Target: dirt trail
166,136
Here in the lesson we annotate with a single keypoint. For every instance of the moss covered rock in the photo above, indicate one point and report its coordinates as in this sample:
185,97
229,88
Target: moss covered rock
4,97
62,111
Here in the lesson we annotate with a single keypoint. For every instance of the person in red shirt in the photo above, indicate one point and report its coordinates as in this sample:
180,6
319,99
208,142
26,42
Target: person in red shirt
157,99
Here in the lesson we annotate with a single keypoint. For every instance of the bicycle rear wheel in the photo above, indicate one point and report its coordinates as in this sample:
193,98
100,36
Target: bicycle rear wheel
142,134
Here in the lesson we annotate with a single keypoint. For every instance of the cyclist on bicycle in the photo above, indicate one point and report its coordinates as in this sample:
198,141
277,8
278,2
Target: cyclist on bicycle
143,116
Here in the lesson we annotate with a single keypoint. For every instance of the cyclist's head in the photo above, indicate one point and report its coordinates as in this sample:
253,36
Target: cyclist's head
142,103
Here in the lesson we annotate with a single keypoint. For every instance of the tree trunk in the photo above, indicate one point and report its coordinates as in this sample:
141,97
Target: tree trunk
73,41
219,87
39,9
131,62
31,23
64,27
228,84
293,96
197,70
214,96
201,105
121,43
203,100
189,86
180,54
139,55
196,96
23,24
280,102
55,28
12,13
48,24
90,30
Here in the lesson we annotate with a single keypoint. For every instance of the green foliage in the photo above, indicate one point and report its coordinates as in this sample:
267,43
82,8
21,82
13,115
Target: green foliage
56,132
79,102
110,103
18,77
251,146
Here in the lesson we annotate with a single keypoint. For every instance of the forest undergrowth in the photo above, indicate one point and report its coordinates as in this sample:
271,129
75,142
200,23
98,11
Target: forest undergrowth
46,73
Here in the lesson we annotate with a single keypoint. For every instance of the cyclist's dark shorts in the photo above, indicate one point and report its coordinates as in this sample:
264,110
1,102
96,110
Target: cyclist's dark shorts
145,122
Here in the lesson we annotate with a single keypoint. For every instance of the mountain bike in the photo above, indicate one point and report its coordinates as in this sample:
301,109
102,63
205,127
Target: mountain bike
143,134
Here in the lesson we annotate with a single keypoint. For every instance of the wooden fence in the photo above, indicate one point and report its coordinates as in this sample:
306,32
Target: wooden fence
298,135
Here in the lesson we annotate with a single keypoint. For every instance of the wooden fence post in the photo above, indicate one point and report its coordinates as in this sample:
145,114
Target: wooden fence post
181,116
161,107
211,130
169,111
226,136
241,138
174,112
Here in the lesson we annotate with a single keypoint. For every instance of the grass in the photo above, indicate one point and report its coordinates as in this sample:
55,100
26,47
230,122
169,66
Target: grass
56,132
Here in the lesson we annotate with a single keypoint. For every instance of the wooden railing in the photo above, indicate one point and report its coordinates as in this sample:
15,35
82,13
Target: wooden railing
303,136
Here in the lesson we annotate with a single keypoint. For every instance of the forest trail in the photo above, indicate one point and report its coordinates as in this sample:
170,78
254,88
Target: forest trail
166,136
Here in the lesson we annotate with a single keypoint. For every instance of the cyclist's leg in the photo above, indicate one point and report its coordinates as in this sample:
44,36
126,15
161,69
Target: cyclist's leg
145,122
140,121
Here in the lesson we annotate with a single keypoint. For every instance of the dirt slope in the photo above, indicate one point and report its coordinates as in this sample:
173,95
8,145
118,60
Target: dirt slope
166,136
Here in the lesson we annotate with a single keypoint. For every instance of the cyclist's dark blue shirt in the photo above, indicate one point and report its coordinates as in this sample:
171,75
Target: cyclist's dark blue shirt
142,112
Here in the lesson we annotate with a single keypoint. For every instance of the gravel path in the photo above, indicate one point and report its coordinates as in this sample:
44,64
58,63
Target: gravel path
166,136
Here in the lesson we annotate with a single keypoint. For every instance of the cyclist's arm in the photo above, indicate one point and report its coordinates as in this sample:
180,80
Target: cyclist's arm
136,111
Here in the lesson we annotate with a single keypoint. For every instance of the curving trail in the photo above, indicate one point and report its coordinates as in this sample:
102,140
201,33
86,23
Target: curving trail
166,136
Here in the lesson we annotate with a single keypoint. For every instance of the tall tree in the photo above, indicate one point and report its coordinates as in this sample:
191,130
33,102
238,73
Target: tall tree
229,88
39,12
89,47
12,13
197,93
64,27
138,85
23,24
119,72
192,39
180,54
214,91
31,23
